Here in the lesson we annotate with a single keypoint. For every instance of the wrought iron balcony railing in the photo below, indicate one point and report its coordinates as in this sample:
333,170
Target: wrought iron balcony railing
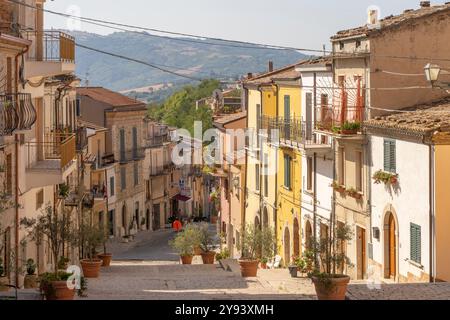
51,45
157,141
332,118
131,155
16,112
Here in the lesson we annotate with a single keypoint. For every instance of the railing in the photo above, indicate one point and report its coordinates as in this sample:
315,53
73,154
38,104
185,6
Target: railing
328,118
131,155
16,112
49,45
56,146
157,141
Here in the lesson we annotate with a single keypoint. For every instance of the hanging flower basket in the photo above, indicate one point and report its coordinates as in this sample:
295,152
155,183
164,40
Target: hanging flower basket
385,177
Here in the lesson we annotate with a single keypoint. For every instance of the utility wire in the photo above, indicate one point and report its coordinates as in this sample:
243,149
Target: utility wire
248,45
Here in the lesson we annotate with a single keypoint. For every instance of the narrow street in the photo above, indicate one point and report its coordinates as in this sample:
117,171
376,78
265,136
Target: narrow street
148,268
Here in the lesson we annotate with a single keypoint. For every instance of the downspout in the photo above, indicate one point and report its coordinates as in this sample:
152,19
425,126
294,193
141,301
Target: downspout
243,220
431,218
260,156
315,207
16,197
276,175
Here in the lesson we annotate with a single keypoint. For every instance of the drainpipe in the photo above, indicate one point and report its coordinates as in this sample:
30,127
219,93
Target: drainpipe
259,159
432,213
276,175
315,206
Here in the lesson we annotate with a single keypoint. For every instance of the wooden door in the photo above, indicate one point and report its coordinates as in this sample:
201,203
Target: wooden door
361,253
392,248
308,235
287,247
296,239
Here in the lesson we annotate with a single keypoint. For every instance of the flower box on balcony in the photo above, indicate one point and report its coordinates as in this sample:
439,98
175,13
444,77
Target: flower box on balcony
352,192
385,177
337,187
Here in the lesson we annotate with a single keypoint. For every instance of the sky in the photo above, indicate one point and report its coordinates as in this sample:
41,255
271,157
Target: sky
297,23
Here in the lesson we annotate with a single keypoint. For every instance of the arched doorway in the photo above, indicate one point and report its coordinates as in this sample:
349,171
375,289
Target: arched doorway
147,219
287,247
308,235
296,238
390,246
257,223
265,218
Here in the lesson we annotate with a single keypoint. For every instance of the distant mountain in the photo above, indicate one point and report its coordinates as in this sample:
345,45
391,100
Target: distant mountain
195,59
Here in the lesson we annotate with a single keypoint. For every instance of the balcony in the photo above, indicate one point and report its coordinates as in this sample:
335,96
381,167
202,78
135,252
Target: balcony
157,141
51,161
338,120
294,133
16,113
52,53
134,154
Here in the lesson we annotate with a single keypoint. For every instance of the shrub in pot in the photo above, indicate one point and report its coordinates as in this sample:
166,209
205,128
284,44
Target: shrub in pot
106,257
91,238
184,243
223,254
61,286
206,243
253,244
63,263
31,279
58,231
264,261
329,284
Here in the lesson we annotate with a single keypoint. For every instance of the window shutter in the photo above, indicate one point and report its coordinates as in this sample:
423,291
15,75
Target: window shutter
392,156
386,155
415,243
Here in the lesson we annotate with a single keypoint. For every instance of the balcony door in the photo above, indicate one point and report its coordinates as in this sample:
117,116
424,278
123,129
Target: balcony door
309,119
122,144
134,142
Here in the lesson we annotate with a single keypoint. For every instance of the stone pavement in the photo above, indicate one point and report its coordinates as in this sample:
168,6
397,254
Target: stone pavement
399,291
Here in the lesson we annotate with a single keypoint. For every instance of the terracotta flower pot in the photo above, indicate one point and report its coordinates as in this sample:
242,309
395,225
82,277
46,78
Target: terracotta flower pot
333,288
263,265
186,259
393,180
106,259
249,268
30,281
343,131
59,291
213,219
208,257
91,268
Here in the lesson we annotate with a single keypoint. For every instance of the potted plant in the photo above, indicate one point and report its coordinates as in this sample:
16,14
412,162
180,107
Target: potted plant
106,257
352,192
223,254
63,263
91,238
31,279
206,243
350,127
338,187
293,268
263,262
305,264
184,243
64,190
329,284
385,177
253,243
57,229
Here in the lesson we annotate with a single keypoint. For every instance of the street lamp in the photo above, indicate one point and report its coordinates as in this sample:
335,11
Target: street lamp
432,72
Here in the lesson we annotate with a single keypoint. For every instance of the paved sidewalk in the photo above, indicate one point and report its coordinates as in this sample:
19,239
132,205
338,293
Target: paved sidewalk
399,291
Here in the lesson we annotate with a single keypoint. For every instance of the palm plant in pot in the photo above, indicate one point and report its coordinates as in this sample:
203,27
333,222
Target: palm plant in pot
329,281
91,237
206,244
184,243
57,230
31,279
253,244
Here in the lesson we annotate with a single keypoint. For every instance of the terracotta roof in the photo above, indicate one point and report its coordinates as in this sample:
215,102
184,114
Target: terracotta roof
425,118
90,125
112,98
391,21
227,118
287,72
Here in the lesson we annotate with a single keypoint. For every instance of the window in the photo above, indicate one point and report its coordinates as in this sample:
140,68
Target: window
111,186
123,178
122,144
359,168
341,173
136,174
257,177
358,43
78,107
266,175
389,156
287,171
134,142
415,241
309,178
39,199
341,45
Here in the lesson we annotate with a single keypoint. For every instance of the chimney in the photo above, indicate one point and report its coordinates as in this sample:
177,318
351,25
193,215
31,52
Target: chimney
372,18
270,65
249,75
424,4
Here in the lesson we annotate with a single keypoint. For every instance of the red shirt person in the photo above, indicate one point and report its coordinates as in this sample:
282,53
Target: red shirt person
177,225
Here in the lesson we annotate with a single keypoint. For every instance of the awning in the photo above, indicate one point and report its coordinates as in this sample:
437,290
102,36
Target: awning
180,197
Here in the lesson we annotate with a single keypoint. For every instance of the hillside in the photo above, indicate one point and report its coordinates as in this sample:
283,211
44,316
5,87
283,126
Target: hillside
197,59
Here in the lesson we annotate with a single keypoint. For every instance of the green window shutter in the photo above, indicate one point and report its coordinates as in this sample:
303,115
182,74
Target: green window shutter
287,171
415,243
386,153
392,156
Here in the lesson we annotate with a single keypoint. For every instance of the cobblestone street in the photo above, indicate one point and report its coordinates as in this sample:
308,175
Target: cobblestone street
148,269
